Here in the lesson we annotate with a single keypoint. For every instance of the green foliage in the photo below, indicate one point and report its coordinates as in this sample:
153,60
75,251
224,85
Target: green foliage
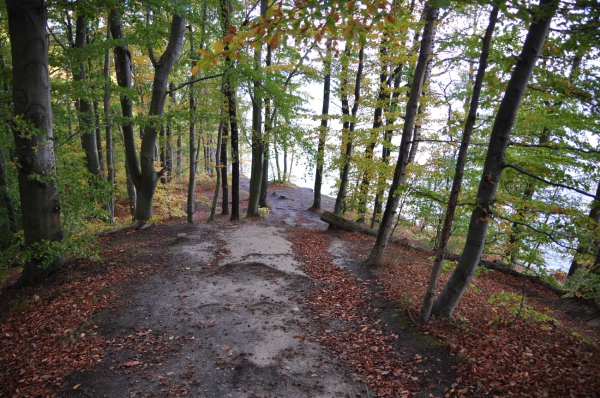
515,307
584,284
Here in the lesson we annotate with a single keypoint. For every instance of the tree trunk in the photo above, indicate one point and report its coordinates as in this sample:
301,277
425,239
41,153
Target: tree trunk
224,183
417,131
323,128
258,147
123,72
264,186
110,160
377,123
213,208
460,167
38,190
396,77
88,136
452,292
431,15
191,204
98,129
348,129
162,68
179,164
229,91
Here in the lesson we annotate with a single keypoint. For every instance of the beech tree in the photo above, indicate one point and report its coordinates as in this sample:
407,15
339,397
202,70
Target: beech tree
459,171
143,173
33,133
452,292
431,14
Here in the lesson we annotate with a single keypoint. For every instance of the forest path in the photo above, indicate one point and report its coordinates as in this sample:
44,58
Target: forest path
222,319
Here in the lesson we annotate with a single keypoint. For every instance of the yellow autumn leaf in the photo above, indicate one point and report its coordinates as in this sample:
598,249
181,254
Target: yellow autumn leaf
195,70
219,46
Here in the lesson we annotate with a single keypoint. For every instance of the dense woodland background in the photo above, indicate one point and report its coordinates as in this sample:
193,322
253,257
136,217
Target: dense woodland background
109,103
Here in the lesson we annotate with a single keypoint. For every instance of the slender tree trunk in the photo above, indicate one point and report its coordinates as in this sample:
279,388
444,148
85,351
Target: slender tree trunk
224,183
257,138
191,204
460,167
264,186
285,163
110,161
387,141
162,144
38,190
323,127
416,139
229,91
213,208
348,129
123,72
377,123
277,160
431,15
452,292
289,176
179,164
98,129
83,105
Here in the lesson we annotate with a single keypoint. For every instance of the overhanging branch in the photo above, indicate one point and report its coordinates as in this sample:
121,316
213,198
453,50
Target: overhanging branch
194,81
555,184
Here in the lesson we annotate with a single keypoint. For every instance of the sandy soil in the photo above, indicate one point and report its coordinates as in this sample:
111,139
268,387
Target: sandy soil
223,319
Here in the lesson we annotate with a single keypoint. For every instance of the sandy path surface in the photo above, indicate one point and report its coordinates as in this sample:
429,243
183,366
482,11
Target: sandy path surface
223,319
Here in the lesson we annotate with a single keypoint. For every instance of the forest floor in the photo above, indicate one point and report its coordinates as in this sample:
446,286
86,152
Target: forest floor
281,307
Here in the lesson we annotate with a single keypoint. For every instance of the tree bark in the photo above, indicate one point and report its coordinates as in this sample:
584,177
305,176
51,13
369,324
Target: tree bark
162,68
377,123
229,91
191,204
348,129
452,292
224,182
431,15
417,131
38,190
264,186
387,140
323,127
213,208
86,118
258,147
110,160
123,72
459,171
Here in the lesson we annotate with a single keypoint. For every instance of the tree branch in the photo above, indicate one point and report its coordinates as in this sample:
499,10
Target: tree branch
194,81
56,39
555,184
536,230
555,147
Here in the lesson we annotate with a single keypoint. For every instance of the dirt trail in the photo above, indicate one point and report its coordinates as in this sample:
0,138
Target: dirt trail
222,319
